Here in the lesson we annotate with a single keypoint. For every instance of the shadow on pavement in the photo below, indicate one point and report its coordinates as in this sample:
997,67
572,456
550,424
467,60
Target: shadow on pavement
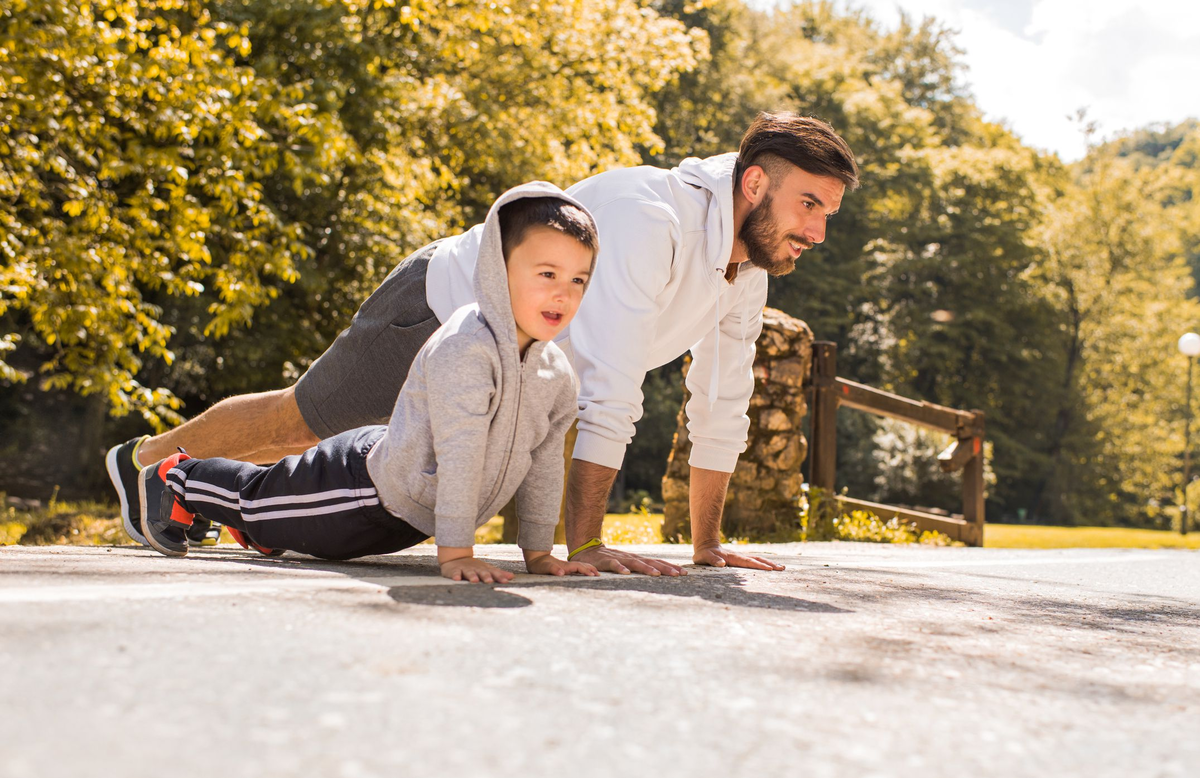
724,587
855,587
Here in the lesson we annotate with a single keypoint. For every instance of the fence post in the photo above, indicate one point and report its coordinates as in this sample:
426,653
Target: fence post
973,485
822,471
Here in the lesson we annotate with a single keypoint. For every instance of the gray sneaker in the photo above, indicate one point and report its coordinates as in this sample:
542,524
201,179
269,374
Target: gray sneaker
165,521
123,472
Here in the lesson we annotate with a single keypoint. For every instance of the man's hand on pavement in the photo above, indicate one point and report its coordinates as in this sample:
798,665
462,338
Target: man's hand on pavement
610,560
716,556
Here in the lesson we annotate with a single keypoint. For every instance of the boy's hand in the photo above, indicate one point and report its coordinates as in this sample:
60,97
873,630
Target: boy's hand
475,571
545,564
459,564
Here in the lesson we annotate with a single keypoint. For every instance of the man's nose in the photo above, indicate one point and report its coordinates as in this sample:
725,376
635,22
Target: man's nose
816,230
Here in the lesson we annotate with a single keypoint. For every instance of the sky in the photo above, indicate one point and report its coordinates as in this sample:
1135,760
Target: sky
1031,64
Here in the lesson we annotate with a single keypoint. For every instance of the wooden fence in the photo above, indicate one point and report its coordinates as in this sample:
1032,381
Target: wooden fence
828,393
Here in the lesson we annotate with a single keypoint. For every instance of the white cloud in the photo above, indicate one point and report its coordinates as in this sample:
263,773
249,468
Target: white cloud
1033,63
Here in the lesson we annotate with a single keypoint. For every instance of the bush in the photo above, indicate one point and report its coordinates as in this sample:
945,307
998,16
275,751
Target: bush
822,519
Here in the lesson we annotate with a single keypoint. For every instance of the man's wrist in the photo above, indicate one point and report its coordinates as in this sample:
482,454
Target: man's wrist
590,544
704,545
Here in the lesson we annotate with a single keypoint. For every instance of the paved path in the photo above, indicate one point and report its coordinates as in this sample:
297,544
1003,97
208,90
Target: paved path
858,660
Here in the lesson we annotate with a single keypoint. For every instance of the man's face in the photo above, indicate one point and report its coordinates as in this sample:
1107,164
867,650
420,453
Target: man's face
547,271
789,218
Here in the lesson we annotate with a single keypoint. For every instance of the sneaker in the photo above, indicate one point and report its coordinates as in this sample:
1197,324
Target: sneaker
165,521
204,533
123,471
245,542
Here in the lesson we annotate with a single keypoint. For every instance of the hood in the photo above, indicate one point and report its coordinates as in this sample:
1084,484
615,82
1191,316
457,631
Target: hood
491,275
715,174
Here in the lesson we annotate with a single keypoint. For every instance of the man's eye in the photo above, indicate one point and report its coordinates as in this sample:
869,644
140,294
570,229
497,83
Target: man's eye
809,204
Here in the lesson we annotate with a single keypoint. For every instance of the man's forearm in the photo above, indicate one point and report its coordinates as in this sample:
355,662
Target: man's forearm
707,501
588,485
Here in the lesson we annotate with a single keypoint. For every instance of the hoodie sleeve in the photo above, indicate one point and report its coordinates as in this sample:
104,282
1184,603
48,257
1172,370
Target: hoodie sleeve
539,497
616,324
718,426
462,375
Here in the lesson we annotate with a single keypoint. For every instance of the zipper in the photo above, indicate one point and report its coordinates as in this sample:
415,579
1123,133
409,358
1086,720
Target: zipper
512,443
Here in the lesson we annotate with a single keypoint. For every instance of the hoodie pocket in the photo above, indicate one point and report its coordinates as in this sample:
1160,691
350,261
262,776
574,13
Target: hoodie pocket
424,492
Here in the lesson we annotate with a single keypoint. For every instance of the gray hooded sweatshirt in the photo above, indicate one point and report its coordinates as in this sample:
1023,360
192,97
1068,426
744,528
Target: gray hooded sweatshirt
475,423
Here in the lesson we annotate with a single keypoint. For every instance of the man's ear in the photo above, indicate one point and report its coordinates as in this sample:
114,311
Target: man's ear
755,184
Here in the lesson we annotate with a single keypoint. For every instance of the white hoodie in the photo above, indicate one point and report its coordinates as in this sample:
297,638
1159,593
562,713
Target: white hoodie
666,237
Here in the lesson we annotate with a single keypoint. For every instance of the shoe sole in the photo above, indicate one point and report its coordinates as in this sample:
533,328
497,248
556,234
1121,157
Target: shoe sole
152,542
110,463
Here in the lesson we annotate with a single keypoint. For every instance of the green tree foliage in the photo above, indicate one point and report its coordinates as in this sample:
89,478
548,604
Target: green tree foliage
195,197
1116,269
135,152
174,172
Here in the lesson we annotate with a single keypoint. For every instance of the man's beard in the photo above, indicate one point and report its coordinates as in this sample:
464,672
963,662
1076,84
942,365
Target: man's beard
760,236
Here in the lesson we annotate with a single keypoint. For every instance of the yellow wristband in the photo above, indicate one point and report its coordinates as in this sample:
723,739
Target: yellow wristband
590,544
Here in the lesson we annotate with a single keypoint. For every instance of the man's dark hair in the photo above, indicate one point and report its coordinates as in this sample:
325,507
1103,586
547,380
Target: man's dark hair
519,216
809,144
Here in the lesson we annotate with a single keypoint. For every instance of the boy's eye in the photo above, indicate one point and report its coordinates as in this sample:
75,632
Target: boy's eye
547,274
580,280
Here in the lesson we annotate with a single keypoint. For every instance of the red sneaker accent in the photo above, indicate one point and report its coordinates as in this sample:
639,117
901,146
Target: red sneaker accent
246,543
179,514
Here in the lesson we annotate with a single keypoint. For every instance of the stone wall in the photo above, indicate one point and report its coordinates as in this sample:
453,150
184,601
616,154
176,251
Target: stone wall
761,502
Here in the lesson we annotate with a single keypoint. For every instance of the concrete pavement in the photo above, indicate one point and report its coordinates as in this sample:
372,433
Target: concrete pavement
858,660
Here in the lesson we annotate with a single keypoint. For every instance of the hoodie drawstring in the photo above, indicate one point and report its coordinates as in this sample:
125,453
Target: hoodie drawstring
714,380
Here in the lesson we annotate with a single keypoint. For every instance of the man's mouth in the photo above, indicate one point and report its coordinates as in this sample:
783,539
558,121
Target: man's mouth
798,247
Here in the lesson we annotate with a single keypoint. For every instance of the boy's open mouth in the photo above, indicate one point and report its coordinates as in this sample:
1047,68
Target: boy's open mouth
552,317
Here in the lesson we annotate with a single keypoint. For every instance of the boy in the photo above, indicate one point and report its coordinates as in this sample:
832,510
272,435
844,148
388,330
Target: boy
481,416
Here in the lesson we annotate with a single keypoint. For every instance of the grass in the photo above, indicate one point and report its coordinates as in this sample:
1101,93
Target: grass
95,523
1032,536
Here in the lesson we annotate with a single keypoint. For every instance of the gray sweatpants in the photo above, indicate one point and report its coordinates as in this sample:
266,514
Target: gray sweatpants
356,381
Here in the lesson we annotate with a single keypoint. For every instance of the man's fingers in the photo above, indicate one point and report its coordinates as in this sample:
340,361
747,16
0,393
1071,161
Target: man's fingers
642,566
613,566
665,567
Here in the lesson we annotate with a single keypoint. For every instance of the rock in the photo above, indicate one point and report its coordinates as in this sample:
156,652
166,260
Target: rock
774,420
761,500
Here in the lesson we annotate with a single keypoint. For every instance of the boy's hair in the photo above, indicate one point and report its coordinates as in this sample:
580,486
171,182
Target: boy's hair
810,144
519,216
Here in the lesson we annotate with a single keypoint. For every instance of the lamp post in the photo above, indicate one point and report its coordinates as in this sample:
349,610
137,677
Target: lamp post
1189,346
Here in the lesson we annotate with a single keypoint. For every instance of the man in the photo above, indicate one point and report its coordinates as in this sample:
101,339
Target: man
683,265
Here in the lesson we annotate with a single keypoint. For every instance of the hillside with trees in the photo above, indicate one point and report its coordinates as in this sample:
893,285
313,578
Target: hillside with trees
196,196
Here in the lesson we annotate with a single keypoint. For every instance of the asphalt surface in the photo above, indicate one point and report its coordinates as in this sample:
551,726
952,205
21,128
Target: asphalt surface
858,660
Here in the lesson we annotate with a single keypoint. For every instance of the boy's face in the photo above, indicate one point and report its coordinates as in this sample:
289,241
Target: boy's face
546,275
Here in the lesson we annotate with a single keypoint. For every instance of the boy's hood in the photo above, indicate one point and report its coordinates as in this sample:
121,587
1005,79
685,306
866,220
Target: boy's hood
491,274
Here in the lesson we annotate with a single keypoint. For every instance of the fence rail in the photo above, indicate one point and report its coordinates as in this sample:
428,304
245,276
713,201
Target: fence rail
828,393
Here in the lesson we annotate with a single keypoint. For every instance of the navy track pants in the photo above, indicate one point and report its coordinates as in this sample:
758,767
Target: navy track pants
321,502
